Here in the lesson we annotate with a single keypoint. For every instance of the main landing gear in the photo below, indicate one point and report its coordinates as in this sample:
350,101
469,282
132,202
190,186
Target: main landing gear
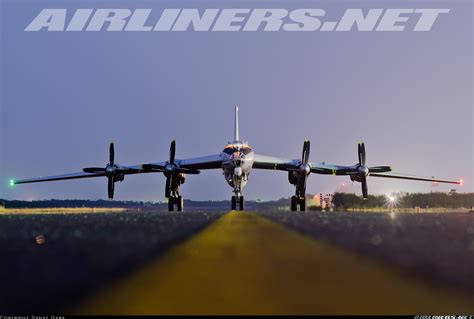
297,200
238,200
175,201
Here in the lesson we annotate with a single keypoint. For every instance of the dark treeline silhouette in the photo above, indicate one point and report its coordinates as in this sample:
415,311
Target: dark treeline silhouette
406,200
340,200
133,205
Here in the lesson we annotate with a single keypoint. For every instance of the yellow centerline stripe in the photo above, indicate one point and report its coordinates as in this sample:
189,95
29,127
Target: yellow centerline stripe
246,264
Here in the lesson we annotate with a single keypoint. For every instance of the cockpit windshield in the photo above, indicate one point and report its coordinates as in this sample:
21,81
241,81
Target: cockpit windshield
232,148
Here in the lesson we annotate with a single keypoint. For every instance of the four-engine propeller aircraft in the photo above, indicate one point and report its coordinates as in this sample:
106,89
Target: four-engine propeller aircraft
236,160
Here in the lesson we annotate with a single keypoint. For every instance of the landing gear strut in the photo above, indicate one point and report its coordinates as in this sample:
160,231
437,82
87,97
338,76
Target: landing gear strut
175,200
238,200
298,200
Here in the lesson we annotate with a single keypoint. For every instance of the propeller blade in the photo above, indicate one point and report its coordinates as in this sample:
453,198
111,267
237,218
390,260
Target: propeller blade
111,186
359,154
380,169
187,171
93,170
361,151
158,168
306,150
172,151
127,170
168,187
347,171
111,154
302,184
365,192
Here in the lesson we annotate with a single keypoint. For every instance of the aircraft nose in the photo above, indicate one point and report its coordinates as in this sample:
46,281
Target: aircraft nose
238,171
237,159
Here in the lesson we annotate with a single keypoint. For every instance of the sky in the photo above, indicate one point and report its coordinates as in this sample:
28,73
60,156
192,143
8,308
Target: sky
66,95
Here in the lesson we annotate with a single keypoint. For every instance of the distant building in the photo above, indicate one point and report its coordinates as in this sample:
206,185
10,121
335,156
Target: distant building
322,200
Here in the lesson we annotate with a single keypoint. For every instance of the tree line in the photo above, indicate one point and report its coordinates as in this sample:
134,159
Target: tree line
406,200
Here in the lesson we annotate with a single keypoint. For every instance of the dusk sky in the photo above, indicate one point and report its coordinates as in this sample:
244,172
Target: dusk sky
66,95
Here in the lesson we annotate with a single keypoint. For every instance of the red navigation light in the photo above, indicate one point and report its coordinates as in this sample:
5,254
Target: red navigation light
461,182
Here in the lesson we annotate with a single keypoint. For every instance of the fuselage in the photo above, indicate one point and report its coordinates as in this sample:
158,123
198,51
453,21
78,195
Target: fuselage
237,162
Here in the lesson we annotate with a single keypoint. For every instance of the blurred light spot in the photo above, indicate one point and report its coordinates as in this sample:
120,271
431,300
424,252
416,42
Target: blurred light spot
40,239
376,240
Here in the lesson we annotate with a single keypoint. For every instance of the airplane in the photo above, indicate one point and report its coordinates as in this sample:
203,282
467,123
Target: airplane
236,161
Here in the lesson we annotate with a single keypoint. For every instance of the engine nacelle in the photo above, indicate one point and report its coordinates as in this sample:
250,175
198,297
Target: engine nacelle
181,178
292,177
119,177
356,178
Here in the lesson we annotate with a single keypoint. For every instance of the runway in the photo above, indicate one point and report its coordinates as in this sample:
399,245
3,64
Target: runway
272,263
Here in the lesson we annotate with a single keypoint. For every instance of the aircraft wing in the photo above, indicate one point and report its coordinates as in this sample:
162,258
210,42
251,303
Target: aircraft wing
276,163
191,164
282,164
199,163
328,169
196,163
57,178
460,182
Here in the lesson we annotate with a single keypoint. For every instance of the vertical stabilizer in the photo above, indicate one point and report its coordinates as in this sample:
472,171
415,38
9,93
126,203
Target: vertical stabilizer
236,125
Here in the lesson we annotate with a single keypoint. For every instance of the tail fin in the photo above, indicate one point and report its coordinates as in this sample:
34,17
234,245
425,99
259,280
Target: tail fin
236,124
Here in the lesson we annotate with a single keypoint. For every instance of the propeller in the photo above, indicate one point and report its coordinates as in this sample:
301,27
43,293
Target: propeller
304,168
170,169
111,171
363,171
111,154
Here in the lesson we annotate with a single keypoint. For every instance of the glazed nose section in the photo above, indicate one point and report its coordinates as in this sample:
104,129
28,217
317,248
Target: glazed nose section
237,159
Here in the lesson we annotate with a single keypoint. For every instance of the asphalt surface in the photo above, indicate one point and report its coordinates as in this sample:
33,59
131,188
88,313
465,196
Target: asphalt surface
437,248
50,262
247,264
47,262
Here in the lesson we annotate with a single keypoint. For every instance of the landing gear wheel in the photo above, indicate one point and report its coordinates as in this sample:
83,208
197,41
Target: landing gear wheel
241,200
302,204
294,204
170,204
234,203
180,203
